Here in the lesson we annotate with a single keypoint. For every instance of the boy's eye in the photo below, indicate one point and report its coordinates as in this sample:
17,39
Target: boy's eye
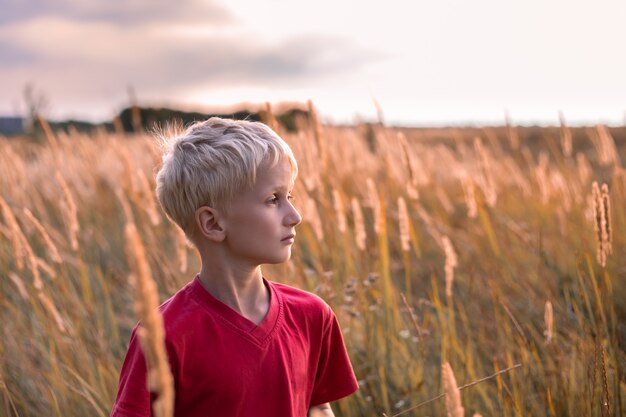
274,199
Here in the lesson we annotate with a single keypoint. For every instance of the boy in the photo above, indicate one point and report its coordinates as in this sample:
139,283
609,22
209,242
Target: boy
238,344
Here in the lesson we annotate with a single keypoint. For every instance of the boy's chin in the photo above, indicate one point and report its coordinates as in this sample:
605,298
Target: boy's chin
279,260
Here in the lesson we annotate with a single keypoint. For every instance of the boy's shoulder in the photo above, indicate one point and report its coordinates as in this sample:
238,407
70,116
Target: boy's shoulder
180,308
296,299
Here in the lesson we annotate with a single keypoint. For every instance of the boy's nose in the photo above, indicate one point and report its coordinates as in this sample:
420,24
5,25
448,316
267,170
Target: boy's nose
293,218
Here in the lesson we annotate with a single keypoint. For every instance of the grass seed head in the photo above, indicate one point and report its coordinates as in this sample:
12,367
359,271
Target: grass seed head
454,407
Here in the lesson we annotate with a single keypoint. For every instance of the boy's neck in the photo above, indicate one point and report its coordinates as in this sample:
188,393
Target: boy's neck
243,291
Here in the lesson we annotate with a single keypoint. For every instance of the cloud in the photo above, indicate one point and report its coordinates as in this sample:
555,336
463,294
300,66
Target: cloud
116,12
76,60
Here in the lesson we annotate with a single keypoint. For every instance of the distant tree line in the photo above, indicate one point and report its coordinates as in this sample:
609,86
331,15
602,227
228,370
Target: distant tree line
133,119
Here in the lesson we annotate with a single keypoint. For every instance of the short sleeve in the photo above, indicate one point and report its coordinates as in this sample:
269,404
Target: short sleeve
335,378
133,398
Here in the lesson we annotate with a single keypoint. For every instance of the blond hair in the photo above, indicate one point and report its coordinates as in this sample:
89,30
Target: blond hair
211,162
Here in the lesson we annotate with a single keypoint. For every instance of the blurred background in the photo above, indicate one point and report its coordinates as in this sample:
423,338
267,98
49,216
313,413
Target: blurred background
425,63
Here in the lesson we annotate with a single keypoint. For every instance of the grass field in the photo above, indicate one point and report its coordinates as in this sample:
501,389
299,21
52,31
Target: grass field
482,248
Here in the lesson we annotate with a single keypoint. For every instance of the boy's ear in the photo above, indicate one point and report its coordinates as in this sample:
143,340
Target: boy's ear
209,224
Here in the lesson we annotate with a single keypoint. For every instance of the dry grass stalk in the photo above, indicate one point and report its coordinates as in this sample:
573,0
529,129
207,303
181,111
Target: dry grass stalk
454,407
512,132
181,249
605,384
53,252
605,145
451,263
409,162
566,137
607,234
430,225
49,305
602,224
317,134
418,329
339,211
583,167
548,318
70,212
404,225
51,138
14,227
374,203
19,284
31,259
469,193
541,175
149,204
487,182
311,214
560,187
44,266
151,333
121,197
269,118
360,234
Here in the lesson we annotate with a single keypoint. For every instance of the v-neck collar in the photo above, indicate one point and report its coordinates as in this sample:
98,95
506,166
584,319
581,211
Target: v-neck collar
260,333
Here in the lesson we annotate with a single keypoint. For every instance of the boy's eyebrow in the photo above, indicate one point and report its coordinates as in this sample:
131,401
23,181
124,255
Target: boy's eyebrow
282,188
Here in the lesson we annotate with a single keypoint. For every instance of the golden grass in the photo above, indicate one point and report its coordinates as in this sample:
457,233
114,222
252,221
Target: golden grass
500,218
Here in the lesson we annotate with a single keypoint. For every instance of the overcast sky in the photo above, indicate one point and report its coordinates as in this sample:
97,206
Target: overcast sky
425,62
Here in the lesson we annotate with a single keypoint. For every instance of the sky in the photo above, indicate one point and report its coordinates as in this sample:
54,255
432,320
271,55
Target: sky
444,62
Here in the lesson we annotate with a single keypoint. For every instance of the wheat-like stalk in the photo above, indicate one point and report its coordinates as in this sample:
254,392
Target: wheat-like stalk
548,318
53,252
411,186
339,211
151,333
149,204
602,222
181,248
607,234
360,235
49,305
451,263
454,407
269,118
374,203
566,137
317,134
313,217
70,211
19,284
469,194
31,258
511,132
404,225
488,184
16,241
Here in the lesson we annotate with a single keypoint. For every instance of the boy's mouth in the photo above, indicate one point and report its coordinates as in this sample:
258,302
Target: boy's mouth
289,237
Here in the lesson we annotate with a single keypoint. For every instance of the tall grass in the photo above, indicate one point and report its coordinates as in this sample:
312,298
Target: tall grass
474,248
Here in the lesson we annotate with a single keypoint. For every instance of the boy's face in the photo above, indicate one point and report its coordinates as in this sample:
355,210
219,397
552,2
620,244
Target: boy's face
260,224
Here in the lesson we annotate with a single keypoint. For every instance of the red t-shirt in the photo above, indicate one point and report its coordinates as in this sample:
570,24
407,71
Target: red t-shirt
225,365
